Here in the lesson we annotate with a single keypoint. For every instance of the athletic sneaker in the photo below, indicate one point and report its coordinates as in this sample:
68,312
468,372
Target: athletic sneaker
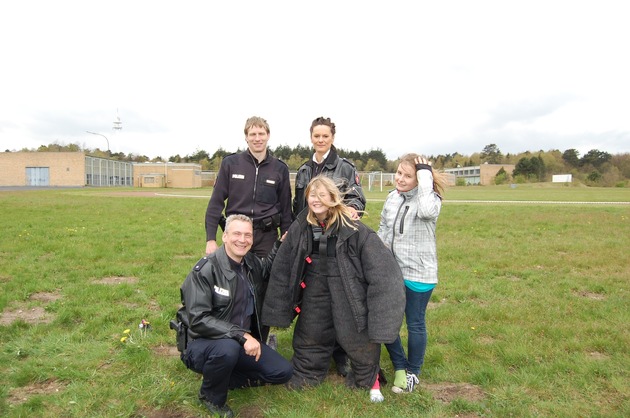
376,396
400,381
412,381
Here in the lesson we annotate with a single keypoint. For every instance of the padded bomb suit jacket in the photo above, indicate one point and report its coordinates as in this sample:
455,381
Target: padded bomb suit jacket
371,278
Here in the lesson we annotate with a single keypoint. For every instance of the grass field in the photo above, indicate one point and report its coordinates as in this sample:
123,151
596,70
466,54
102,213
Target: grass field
530,318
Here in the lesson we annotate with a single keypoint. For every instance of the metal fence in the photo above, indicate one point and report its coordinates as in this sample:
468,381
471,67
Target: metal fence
370,180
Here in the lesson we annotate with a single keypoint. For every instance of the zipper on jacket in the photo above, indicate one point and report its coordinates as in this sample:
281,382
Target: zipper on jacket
254,196
256,166
401,222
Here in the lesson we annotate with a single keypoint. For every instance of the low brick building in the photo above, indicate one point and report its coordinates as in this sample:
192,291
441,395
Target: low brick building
62,169
177,175
76,169
483,174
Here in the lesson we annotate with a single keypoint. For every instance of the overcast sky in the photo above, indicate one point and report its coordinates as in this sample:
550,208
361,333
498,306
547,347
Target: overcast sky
434,77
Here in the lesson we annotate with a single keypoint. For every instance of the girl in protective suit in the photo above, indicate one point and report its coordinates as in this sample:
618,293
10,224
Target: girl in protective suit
343,283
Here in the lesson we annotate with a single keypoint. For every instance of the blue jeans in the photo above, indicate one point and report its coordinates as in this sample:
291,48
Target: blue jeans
415,310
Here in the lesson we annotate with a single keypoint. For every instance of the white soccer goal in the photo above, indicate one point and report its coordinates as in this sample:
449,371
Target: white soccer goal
374,180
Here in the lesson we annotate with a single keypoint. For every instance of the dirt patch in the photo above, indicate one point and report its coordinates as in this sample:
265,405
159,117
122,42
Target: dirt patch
250,412
22,394
33,316
116,280
448,392
596,355
154,306
45,297
485,340
590,295
166,351
36,315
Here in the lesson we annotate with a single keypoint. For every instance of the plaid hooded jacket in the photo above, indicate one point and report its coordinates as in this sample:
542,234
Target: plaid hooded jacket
407,227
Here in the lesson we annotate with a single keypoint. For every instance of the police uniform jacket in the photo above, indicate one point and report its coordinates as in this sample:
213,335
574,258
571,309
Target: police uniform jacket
207,295
342,171
257,190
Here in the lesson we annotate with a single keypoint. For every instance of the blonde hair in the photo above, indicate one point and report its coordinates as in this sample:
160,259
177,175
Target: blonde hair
338,212
440,180
258,122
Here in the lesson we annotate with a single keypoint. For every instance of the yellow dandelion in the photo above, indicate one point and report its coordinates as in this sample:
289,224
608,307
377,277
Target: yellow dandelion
127,331
123,339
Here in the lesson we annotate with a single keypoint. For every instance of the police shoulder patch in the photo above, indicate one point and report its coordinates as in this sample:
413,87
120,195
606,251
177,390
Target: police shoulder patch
200,263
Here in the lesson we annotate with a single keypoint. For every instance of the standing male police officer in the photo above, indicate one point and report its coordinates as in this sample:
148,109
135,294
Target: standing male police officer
255,184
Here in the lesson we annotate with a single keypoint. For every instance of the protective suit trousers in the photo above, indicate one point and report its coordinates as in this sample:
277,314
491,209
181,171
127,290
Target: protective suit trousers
325,317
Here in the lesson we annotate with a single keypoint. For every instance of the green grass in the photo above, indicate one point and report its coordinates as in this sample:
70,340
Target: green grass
531,308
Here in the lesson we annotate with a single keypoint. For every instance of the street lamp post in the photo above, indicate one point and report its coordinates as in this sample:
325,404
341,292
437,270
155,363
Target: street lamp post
94,133
108,154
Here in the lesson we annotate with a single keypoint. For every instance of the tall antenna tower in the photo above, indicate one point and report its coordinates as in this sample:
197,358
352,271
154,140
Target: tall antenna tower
117,123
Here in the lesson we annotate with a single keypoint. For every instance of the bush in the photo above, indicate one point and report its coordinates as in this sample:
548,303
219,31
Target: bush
502,177
520,179
595,176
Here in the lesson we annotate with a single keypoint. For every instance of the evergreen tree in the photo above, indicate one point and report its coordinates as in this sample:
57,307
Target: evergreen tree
491,154
595,158
571,157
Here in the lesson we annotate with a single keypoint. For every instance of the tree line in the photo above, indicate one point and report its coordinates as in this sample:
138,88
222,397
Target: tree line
596,168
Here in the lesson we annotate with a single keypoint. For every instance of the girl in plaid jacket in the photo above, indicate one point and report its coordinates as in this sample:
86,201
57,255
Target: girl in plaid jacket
407,227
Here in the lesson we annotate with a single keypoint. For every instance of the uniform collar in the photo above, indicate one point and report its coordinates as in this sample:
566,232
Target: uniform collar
323,159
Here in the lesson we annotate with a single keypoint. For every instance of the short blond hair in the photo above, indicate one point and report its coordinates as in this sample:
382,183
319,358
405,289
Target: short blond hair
258,122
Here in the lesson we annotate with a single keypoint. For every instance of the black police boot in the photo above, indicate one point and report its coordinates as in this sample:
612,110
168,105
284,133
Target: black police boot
221,411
